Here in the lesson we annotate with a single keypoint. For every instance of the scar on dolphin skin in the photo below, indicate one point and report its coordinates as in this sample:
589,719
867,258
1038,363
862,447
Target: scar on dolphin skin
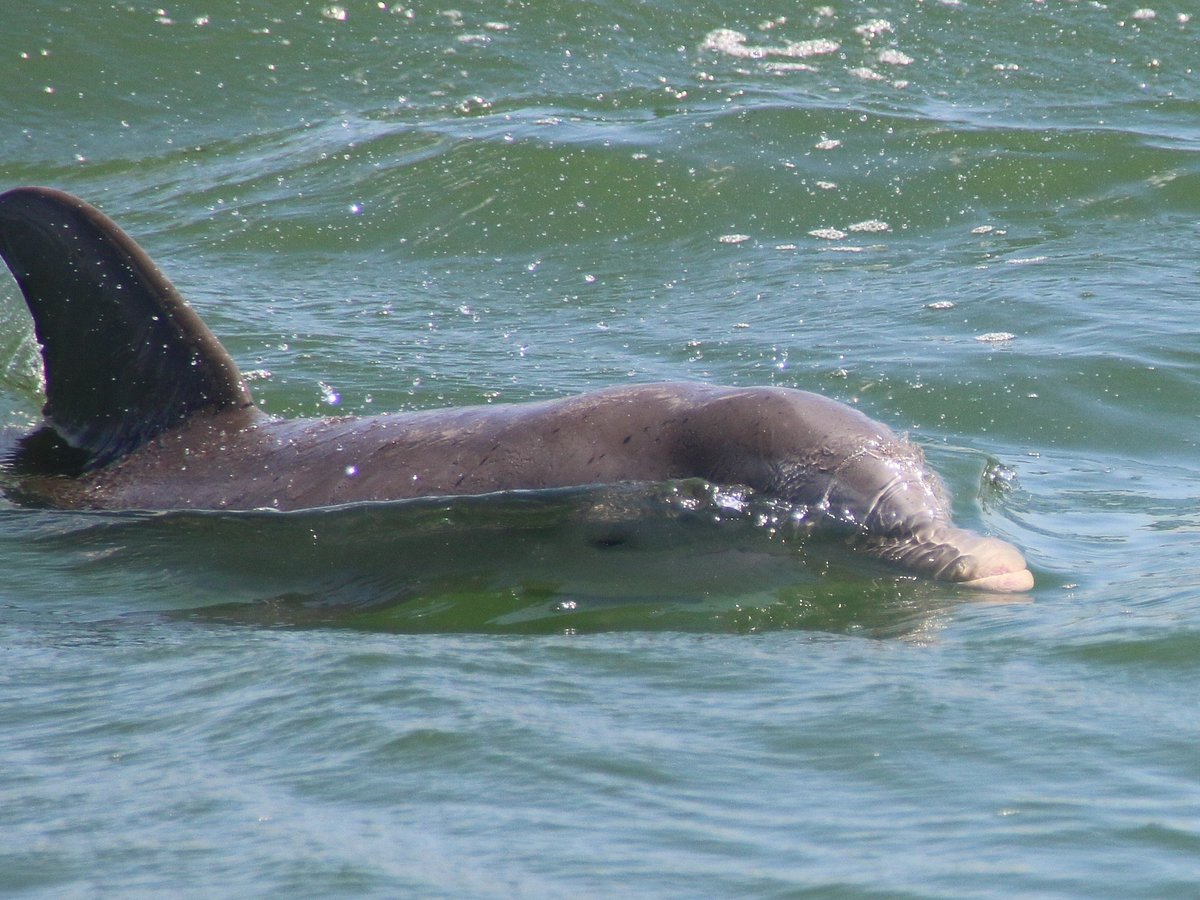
146,410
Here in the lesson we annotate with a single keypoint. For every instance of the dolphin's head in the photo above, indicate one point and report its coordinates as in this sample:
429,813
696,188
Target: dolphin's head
902,512
945,552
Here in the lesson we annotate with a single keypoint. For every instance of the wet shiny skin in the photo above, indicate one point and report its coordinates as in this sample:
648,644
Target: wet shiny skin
798,446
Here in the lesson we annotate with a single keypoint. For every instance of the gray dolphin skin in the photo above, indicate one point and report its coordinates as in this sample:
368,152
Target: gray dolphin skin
146,410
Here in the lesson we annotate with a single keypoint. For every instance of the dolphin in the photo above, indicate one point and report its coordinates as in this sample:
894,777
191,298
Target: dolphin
146,410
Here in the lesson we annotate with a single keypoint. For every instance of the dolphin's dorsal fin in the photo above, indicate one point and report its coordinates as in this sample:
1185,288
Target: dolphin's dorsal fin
125,357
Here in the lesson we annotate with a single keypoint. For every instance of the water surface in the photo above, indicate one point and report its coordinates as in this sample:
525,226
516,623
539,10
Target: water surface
976,222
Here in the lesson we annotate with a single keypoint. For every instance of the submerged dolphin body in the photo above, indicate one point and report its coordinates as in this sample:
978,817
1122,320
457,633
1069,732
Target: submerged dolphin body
145,409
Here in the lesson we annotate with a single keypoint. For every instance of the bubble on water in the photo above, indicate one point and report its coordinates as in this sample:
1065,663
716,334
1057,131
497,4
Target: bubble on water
473,106
732,501
995,337
870,225
828,234
894,58
866,74
731,43
874,28
734,43
783,67
816,47
999,478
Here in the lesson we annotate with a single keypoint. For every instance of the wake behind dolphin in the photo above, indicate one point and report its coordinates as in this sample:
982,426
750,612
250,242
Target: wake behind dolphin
145,409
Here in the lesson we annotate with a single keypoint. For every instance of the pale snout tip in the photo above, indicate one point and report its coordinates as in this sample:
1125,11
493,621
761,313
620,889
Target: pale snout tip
999,567
1002,582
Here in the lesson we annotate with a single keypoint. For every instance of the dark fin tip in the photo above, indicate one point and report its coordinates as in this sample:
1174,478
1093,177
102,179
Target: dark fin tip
125,357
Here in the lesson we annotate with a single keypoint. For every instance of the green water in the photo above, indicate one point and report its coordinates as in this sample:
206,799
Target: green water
976,221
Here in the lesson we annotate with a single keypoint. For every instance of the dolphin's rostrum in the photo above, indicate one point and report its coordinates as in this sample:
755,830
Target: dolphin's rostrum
145,409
